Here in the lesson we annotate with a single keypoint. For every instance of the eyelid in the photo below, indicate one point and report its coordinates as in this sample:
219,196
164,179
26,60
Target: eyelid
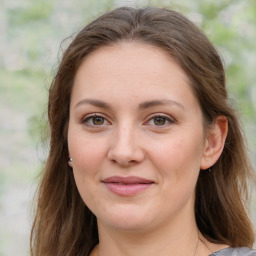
170,119
85,118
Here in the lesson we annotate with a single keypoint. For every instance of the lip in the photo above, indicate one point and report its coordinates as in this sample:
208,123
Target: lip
127,186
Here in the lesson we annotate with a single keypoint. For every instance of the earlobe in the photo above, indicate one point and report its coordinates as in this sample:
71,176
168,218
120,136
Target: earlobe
70,163
215,142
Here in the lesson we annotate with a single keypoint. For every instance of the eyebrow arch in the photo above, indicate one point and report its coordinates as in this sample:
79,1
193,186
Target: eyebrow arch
94,102
152,103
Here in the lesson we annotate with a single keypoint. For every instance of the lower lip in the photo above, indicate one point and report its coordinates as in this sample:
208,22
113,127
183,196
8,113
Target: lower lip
127,189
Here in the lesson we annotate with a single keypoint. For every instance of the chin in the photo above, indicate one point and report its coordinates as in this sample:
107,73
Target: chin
129,225
127,219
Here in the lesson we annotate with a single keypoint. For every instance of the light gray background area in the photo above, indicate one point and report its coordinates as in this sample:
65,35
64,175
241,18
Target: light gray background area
30,35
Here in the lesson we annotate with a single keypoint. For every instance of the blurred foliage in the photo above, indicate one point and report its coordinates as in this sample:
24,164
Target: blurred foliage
32,31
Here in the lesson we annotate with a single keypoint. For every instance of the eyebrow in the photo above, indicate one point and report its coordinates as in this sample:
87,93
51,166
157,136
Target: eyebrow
94,102
152,103
143,105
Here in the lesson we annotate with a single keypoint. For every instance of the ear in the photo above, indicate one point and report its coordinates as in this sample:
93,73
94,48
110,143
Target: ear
214,143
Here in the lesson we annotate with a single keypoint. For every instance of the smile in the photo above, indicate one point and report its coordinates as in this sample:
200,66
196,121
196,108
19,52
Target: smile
127,186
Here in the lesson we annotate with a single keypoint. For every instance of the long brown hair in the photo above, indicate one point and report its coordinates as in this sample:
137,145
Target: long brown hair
63,224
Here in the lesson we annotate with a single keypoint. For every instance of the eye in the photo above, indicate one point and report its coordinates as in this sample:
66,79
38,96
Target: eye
94,120
160,120
98,120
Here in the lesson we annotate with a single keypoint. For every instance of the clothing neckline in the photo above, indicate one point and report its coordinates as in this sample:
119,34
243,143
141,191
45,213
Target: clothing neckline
220,251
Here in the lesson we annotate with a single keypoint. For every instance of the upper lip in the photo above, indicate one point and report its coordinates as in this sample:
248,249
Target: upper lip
127,180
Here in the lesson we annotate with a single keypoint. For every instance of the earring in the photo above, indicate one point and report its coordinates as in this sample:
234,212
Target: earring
70,163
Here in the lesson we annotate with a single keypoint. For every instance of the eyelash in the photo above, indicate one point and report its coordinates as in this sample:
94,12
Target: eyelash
87,118
167,119
90,117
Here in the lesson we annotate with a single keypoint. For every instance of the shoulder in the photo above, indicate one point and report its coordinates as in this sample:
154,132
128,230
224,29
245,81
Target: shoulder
241,251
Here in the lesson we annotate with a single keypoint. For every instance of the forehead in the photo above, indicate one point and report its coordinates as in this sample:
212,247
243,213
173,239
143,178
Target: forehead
130,69
132,52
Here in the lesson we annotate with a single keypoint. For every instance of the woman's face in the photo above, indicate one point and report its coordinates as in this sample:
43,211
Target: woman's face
135,136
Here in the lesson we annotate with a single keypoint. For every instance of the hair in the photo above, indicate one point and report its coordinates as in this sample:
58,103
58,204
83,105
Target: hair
63,224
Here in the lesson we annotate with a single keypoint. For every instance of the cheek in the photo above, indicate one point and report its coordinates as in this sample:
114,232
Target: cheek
86,169
179,159
86,152
87,156
179,167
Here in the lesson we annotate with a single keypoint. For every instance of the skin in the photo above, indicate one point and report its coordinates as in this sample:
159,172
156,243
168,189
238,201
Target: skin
149,124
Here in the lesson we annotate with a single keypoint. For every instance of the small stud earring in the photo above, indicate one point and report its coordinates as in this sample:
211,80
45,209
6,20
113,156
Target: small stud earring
70,163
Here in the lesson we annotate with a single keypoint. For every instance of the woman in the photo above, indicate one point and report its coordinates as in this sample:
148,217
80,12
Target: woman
146,155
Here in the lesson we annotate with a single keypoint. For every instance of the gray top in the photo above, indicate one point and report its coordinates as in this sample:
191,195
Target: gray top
243,251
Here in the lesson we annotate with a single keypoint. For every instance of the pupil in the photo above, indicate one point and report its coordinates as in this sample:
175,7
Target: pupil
98,120
159,121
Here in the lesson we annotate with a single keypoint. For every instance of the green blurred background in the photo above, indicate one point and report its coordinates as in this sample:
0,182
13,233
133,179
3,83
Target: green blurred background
31,32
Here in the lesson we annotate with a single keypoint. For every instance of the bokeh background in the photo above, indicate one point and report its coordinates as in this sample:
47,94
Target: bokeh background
31,32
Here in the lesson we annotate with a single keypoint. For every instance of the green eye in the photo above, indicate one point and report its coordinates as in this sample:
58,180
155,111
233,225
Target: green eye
97,120
159,120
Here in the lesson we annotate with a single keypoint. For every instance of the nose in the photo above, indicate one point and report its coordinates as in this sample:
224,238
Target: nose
125,148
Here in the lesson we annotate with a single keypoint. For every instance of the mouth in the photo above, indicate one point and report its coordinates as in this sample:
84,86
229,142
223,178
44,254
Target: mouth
127,186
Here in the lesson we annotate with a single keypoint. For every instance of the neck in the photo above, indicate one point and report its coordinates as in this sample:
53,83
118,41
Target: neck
176,238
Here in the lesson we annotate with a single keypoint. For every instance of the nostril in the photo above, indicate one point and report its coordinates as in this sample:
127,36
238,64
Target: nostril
125,152
123,162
